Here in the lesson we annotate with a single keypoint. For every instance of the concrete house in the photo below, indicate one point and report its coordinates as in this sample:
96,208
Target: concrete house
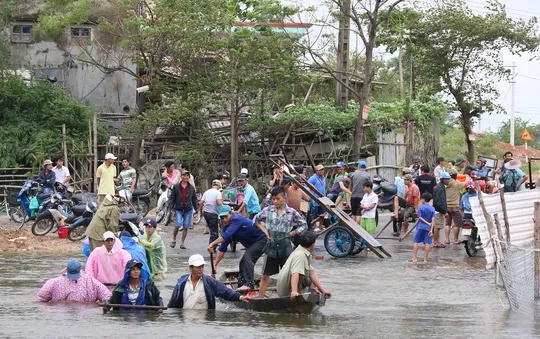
80,59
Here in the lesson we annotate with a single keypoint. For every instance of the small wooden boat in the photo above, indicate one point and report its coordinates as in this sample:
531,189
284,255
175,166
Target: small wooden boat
305,303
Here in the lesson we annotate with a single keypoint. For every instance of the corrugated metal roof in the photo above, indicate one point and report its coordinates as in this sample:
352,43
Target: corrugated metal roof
520,209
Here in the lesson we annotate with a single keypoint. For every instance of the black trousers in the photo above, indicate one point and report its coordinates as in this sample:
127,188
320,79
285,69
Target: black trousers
212,221
247,263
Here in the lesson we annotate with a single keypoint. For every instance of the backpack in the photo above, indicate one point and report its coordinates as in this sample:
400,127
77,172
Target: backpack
509,180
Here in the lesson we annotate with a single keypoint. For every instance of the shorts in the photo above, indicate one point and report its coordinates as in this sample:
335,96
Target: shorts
439,220
454,214
332,196
422,236
408,212
355,206
183,219
369,224
272,266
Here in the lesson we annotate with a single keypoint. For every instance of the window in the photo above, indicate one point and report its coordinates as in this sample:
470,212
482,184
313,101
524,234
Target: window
21,33
81,32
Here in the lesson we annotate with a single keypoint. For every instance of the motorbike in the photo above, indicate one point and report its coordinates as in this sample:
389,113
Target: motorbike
55,215
163,211
386,194
131,222
472,240
79,220
137,201
31,189
230,197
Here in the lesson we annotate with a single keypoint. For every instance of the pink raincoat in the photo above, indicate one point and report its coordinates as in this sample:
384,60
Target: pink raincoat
85,288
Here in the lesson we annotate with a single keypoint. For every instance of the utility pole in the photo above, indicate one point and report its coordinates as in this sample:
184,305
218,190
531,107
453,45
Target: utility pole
342,93
513,82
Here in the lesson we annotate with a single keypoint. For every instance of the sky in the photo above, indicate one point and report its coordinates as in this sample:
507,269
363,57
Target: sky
528,72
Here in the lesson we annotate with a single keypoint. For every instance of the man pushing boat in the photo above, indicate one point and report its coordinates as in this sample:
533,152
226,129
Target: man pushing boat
242,230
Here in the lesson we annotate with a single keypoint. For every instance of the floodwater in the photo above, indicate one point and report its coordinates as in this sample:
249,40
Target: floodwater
453,296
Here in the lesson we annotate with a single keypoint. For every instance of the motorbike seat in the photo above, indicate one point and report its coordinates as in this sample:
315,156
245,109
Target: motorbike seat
133,217
389,192
140,192
42,196
78,209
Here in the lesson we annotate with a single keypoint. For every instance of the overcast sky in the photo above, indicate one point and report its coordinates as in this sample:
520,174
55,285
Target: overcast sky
528,78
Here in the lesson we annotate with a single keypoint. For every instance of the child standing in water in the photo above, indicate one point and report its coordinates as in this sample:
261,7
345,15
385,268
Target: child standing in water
426,223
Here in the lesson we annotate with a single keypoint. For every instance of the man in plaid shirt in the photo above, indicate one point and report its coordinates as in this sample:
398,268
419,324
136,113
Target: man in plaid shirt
280,223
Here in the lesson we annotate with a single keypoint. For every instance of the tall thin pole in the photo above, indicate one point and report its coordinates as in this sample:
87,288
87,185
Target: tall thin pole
513,82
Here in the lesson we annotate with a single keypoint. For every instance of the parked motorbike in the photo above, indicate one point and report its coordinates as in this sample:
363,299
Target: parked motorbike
56,212
31,189
163,211
230,197
79,220
472,240
136,202
131,222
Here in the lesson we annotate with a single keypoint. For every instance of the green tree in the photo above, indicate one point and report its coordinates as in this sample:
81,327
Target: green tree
366,17
190,53
503,133
32,116
462,49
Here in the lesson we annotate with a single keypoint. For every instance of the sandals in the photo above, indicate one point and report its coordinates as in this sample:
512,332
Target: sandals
173,244
183,247
439,246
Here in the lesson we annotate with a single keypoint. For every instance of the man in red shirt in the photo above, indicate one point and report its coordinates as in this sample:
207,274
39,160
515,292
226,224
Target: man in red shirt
184,201
412,197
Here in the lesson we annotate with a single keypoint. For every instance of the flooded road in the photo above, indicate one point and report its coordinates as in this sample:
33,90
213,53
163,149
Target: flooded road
453,296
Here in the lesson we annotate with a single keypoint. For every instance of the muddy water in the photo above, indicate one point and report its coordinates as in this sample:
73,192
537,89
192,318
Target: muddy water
453,296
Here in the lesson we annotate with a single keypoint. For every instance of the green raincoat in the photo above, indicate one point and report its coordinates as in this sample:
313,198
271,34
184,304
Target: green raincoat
106,219
155,248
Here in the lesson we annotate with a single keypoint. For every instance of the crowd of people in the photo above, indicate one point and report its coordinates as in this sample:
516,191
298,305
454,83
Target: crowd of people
291,214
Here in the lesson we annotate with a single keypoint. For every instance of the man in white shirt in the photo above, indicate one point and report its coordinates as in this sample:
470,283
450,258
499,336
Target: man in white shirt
62,175
210,201
198,291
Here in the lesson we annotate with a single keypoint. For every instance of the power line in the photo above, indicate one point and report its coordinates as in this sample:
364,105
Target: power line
509,88
506,8
528,77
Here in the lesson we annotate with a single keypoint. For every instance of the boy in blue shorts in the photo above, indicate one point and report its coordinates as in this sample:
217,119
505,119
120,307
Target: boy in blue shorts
426,223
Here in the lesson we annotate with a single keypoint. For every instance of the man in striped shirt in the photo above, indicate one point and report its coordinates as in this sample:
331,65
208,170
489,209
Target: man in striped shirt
280,223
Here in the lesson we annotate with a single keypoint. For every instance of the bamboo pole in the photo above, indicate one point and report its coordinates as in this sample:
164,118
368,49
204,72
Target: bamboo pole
95,151
505,216
537,247
64,145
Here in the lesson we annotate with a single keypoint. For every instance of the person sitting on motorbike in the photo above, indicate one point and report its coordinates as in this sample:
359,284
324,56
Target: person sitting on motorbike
480,170
171,174
47,176
127,179
465,204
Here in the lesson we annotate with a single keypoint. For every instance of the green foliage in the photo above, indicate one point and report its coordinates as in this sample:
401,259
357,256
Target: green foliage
32,116
462,50
330,119
534,129
453,144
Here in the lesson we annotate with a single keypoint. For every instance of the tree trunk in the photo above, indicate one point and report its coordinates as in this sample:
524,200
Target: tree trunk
364,99
234,140
466,124
401,84
470,149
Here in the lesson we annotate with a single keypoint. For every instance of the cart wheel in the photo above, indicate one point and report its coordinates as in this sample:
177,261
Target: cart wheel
359,246
339,242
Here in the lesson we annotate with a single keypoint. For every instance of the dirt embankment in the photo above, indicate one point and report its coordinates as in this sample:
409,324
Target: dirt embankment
14,241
